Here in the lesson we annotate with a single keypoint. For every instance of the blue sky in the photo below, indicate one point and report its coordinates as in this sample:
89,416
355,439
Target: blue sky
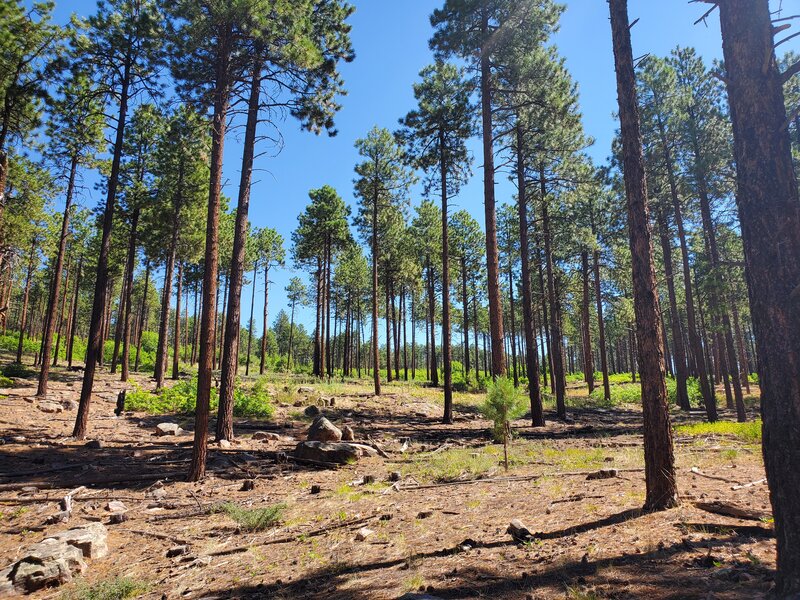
390,38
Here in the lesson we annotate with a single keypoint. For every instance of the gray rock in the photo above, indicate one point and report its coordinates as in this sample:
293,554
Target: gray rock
116,506
363,534
90,539
168,429
177,551
305,390
69,404
225,444
348,435
94,444
322,430
50,407
266,436
49,563
312,411
327,452
603,474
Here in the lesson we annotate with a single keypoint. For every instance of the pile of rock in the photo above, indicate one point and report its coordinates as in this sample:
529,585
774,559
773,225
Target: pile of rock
55,560
326,443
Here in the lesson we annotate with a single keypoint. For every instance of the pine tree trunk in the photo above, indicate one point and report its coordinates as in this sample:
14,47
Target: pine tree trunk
142,316
432,316
163,324
531,351
250,322
447,352
52,303
63,324
492,253
74,320
769,213
233,316
588,360
222,92
679,353
176,341
25,298
94,347
126,328
265,329
660,479
388,323
375,257
465,310
556,343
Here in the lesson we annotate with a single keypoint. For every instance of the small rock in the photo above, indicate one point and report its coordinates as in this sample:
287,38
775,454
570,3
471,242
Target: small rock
316,489
367,479
116,506
305,390
395,476
202,561
266,436
94,445
89,539
168,429
322,430
18,439
158,494
425,514
519,532
248,485
348,435
224,444
177,551
312,411
69,404
118,518
363,534
603,474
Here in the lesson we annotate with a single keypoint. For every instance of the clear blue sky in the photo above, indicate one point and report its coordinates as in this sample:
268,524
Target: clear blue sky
391,44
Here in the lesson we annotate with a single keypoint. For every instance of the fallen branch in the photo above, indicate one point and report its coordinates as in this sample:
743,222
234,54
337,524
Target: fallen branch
158,536
698,472
508,479
748,485
731,510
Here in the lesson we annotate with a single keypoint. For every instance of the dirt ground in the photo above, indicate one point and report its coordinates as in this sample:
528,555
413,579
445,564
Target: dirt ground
440,530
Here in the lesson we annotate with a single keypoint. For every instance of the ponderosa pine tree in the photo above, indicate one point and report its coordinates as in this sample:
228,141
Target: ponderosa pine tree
660,478
75,132
769,213
270,254
296,293
301,74
121,46
30,50
381,186
476,31
435,134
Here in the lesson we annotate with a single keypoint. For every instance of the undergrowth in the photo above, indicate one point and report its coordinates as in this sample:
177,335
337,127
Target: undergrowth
748,432
252,519
118,588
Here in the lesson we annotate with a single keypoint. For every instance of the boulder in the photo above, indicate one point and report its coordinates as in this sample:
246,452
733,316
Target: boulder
312,411
266,436
116,506
90,539
50,407
168,429
69,404
348,435
327,452
49,563
322,430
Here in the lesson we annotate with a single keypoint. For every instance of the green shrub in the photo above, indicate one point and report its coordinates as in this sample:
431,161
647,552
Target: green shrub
256,519
16,370
118,588
630,393
256,403
6,382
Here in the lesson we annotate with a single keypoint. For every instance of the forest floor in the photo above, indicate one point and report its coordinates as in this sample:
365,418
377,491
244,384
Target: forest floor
441,530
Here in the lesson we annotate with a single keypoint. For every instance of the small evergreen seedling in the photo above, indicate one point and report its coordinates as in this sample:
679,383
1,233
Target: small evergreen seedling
503,404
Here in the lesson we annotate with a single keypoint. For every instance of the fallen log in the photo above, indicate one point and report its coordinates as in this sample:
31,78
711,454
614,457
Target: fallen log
731,510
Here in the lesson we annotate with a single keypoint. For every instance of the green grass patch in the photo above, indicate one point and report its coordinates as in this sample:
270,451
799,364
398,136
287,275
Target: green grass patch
456,463
252,519
118,588
253,402
748,432
6,382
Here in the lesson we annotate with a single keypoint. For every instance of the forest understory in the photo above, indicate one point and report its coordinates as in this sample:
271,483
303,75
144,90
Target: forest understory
439,529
